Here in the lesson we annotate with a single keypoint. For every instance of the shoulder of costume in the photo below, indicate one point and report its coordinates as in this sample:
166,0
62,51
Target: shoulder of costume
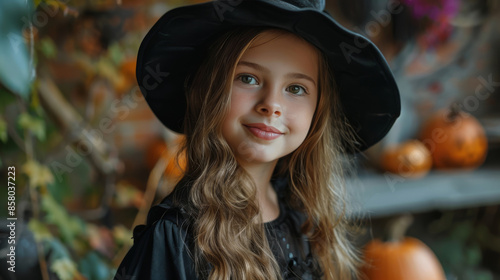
167,211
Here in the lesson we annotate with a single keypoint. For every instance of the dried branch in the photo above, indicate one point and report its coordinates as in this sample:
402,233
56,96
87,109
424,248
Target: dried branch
68,119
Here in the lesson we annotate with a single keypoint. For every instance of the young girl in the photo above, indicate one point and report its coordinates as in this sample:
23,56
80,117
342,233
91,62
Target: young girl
270,95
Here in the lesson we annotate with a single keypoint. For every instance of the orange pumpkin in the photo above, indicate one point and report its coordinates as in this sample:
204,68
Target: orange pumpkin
455,138
401,258
409,259
410,159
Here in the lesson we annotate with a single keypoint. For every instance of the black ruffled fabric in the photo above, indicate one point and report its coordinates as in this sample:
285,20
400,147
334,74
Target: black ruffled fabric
162,248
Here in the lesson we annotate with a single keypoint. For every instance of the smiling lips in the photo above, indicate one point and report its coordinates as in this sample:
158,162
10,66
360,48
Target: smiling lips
263,131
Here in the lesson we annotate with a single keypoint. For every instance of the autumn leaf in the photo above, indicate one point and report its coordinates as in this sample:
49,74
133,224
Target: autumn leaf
61,262
65,269
123,236
69,227
127,195
40,231
33,124
101,239
39,175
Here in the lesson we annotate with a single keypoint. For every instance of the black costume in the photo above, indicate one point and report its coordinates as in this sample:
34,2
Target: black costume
161,248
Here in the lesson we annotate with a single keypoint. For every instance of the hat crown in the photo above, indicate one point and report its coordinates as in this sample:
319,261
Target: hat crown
315,4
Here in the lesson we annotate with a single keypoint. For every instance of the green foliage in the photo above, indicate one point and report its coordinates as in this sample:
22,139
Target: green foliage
6,99
115,53
477,275
48,48
64,268
62,248
59,189
33,124
69,227
15,69
40,231
460,252
3,130
73,248
60,260
122,236
93,267
38,175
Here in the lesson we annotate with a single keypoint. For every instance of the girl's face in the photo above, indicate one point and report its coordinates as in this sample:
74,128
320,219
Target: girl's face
273,98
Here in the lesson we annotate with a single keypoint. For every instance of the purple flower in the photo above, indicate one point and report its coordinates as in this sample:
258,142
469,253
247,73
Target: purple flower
433,9
435,16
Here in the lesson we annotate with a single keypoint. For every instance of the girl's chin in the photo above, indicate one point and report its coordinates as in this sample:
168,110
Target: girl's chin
248,159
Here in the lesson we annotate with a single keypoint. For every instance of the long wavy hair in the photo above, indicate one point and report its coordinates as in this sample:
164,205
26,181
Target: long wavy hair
229,236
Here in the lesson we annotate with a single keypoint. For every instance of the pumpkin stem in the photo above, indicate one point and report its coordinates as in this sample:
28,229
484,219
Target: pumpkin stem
454,111
399,226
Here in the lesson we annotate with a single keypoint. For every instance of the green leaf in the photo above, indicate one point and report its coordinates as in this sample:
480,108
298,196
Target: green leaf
40,231
6,99
122,236
48,48
462,231
65,268
57,250
93,267
61,262
475,274
450,253
15,69
3,130
116,54
483,275
59,189
473,255
69,227
33,124
39,175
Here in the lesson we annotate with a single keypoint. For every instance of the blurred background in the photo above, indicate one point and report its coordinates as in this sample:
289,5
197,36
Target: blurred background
90,158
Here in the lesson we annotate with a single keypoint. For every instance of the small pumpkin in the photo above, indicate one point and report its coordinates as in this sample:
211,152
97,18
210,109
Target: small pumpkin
410,159
455,139
401,258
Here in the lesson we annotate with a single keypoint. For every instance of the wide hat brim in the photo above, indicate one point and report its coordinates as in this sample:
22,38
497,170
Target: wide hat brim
174,47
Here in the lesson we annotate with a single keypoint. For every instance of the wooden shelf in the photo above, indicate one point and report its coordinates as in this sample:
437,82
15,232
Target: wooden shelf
378,195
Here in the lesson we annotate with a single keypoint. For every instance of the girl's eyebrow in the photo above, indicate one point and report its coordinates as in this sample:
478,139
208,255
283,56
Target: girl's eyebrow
265,70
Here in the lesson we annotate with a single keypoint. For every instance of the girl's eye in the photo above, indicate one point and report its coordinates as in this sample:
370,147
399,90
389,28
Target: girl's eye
297,90
247,79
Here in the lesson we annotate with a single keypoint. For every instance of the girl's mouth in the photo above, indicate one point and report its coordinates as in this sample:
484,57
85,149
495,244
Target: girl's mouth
263,131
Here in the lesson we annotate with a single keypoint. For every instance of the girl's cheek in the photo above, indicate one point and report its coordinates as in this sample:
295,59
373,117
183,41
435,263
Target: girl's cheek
241,98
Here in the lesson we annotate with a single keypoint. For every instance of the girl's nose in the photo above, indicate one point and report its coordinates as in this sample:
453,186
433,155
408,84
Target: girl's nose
270,105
